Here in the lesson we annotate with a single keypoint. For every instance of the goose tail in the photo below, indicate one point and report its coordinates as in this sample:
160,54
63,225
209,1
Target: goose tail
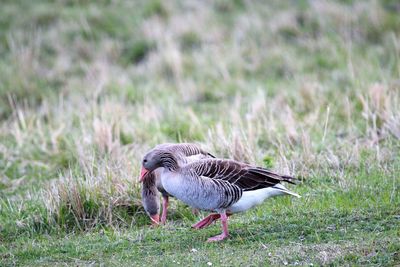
284,190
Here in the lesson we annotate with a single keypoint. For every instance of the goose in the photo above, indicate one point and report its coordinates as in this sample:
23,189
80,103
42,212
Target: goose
220,185
152,187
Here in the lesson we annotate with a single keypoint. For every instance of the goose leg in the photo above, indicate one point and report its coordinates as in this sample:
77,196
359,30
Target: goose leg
206,221
164,210
225,233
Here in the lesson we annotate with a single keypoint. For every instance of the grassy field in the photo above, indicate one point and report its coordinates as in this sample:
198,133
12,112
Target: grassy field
307,88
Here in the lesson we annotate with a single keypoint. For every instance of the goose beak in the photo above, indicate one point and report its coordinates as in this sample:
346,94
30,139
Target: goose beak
155,219
143,173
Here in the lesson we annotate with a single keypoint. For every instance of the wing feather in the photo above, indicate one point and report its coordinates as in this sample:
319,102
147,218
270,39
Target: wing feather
245,176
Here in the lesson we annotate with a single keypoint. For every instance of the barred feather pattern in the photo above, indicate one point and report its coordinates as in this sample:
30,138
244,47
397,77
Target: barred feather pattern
172,155
168,160
215,184
183,150
208,183
245,176
201,192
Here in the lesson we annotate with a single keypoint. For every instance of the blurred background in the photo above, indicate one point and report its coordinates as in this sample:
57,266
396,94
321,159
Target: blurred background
308,88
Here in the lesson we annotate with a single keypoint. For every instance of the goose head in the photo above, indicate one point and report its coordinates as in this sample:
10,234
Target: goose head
157,158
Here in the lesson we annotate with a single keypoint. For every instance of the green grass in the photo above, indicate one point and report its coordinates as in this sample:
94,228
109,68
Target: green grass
303,231
308,88
299,240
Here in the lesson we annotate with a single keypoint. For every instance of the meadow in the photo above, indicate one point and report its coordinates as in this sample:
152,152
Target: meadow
306,88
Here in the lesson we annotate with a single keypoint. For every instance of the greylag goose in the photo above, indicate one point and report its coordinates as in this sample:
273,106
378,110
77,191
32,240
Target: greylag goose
220,185
152,187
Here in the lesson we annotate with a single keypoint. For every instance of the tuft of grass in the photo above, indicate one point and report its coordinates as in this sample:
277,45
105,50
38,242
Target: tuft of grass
136,52
102,195
189,41
155,8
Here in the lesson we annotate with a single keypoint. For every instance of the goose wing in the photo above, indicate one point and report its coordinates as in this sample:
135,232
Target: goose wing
185,150
245,176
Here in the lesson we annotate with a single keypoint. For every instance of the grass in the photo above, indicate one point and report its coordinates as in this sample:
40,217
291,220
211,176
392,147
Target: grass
308,88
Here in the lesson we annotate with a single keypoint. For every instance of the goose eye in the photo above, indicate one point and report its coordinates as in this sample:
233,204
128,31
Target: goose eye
144,161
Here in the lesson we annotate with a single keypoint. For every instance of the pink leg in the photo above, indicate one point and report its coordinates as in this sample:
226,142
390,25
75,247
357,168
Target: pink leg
225,233
164,210
206,221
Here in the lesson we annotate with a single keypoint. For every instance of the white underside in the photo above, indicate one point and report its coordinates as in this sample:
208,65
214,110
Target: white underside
250,199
